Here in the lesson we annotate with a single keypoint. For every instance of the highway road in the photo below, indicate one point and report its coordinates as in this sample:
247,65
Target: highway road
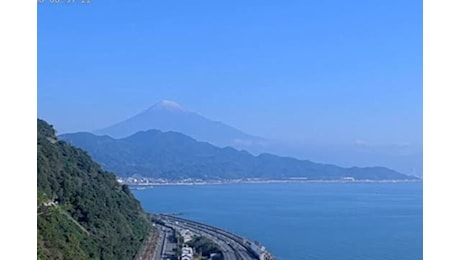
232,246
165,246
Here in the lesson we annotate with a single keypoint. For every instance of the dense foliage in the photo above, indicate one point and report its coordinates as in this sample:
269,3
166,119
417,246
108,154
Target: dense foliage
82,211
173,155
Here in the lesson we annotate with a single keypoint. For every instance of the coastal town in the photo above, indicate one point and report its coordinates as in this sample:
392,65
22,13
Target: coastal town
140,182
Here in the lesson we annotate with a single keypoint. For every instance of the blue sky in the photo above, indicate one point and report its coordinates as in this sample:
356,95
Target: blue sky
343,78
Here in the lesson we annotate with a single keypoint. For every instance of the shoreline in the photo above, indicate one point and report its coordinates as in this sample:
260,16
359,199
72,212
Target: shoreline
198,183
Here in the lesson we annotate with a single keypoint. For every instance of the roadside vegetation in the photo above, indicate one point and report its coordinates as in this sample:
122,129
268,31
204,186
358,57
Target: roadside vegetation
204,248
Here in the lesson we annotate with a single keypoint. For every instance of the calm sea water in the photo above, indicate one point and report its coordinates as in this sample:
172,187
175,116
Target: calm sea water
317,221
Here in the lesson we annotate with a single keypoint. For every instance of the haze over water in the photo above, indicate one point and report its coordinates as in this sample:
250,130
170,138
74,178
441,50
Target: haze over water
323,221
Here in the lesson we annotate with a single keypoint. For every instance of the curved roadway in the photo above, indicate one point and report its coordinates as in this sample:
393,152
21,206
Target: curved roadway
232,246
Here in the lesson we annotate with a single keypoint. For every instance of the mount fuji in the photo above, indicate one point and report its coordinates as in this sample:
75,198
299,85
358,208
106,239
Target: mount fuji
168,115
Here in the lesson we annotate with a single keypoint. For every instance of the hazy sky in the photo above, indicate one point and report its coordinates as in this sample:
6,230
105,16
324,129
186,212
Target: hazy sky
329,73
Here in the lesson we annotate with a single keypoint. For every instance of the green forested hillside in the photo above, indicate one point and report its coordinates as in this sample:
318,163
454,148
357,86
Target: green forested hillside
173,155
82,211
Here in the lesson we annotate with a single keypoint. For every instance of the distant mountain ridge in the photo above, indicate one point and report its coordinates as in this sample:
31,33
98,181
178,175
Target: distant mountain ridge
174,155
170,116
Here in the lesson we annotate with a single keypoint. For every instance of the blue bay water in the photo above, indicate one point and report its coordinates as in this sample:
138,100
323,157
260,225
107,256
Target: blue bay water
317,221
